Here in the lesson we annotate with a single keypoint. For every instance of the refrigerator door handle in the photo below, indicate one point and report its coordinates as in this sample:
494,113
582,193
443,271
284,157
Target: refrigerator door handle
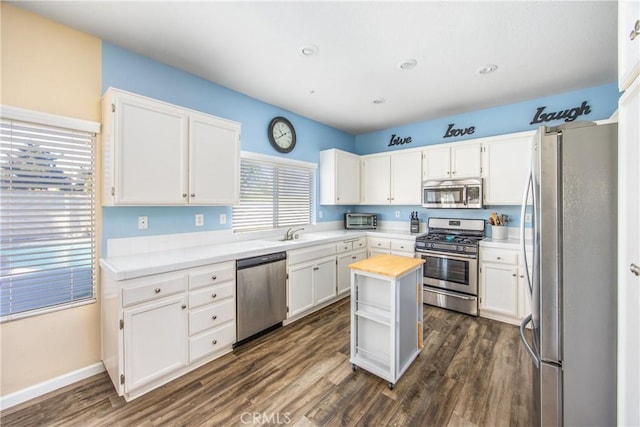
523,326
523,210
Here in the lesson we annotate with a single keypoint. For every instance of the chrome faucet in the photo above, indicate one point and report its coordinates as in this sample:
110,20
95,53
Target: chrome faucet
289,234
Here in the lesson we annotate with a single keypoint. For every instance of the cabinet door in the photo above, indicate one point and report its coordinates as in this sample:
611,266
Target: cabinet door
325,279
155,340
628,45
436,163
214,161
300,288
377,251
376,176
465,161
506,163
344,272
629,255
406,181
347,179
500,289
150,153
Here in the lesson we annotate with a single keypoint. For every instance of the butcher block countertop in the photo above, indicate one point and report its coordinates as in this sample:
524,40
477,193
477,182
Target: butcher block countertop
387,265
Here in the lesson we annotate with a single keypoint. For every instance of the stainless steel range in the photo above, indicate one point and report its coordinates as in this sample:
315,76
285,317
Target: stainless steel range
450,251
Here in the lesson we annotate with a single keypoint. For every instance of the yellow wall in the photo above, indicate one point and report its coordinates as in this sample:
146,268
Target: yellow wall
51,68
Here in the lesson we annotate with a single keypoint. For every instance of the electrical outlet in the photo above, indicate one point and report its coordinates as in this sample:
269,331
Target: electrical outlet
527,218
143,222
199,220
320,214
223,218
397,214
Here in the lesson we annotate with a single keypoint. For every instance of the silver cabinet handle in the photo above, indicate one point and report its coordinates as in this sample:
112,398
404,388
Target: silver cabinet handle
193,195
635,32
214,317
184,306
214,342
514,274
184,194
214,277
214,295
634,269
157,291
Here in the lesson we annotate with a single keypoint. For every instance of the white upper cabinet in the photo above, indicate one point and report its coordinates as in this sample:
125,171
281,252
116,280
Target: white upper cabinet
214,159
628,42
506,162
451,161
339,178
156,153
391,178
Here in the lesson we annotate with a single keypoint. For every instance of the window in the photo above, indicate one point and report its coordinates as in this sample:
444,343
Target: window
274,193
47,213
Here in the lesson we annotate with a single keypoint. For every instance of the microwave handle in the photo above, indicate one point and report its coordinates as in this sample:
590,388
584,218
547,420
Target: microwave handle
464,195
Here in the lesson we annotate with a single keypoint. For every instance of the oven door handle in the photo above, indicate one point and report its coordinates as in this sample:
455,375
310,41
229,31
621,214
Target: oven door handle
451,294
459,257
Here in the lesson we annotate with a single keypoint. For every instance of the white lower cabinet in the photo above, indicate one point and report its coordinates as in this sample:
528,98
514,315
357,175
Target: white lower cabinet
389,246
155,340
311,278
344,273
504,293
156,328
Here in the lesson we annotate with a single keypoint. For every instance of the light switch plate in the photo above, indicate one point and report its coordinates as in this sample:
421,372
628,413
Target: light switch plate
223,218
199,220
143,222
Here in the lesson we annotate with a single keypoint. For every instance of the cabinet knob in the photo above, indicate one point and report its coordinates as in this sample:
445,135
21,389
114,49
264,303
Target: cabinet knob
498,257
635,32
184,194
184,306
214,317
214,342
158,290
514,274
316,268
214,277
354,257
522,276
193,195
634,269
214,295
453,172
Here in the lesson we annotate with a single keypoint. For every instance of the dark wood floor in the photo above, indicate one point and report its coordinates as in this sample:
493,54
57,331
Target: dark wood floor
472,372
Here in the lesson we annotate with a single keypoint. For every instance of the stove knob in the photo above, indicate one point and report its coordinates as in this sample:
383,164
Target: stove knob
460,248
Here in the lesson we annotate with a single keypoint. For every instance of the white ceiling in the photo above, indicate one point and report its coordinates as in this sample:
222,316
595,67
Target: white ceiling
541,48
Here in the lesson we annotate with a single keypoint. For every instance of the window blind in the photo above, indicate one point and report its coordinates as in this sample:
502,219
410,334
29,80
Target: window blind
47,217
273,195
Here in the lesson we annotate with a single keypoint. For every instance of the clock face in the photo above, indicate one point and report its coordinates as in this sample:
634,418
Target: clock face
282,135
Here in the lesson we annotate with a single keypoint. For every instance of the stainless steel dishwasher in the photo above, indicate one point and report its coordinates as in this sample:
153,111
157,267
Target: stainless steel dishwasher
261,294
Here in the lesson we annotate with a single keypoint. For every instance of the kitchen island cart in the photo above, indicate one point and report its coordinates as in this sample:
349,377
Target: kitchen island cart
386,314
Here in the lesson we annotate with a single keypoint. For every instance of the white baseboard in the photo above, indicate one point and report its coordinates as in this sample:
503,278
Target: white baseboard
37,390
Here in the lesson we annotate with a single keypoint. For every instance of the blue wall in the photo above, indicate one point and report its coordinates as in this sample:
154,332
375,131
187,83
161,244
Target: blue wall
129,71
135,73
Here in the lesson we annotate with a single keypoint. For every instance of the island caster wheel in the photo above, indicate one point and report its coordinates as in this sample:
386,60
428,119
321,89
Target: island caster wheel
354,367
390,386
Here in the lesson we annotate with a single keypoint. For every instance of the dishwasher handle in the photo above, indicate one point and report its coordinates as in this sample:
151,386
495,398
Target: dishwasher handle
259,260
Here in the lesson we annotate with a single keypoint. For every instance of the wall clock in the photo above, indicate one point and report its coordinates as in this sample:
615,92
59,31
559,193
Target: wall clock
282,135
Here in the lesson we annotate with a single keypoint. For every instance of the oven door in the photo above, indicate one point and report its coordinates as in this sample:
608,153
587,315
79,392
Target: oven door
450,271
453,196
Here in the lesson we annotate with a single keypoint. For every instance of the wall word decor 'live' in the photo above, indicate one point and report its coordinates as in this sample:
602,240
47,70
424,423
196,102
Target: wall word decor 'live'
451,131
568,115
396,140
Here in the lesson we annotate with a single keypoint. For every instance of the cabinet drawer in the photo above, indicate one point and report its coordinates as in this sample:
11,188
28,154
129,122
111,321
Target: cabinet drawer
344,247
212,341
376,242
211,316
298,256
153,288
360,244
502,257
212,275
402,245
211,294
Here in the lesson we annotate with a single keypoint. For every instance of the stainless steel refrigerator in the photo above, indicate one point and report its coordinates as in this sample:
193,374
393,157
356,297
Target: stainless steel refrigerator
572,340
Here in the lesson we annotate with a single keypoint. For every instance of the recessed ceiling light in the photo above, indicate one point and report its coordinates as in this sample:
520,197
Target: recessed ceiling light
407,64
378,101
487,69
309,50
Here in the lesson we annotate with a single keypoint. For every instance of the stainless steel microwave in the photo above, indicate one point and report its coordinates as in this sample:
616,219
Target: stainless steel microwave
460,194
360,221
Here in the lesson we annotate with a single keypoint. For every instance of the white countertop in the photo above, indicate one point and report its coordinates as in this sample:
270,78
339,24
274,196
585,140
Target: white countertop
132,266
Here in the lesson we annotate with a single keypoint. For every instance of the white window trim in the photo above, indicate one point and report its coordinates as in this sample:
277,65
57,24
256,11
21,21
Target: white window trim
278,160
